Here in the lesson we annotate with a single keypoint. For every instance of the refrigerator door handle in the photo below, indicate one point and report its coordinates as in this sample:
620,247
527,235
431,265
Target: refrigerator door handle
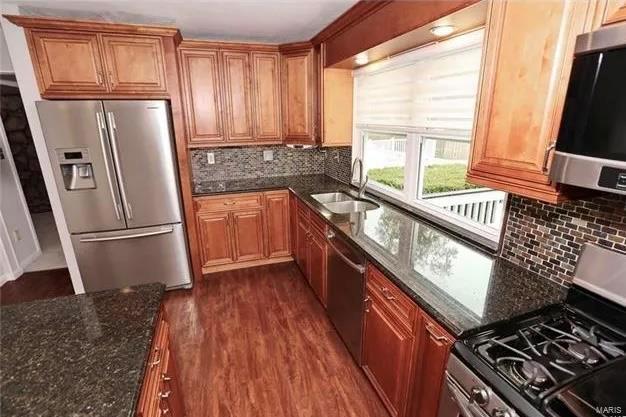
161,231
107,168
118,165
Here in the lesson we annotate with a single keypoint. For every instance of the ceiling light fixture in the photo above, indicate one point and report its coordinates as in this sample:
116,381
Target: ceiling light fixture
361,59
443,30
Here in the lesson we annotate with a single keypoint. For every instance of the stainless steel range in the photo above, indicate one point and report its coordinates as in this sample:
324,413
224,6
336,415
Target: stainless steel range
550,363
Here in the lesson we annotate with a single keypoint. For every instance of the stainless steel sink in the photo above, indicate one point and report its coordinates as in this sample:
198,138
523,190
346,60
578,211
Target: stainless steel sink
331,197
353,206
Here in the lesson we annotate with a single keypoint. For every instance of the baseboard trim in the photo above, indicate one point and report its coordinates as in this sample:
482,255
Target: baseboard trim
247,264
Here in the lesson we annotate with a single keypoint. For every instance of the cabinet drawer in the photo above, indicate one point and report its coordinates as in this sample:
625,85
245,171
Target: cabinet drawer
229,202
398,303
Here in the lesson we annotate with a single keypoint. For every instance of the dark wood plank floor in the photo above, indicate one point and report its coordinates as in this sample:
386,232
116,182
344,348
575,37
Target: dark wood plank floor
38,285
256,343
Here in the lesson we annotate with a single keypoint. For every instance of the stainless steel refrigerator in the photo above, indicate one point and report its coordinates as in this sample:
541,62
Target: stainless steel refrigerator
115,170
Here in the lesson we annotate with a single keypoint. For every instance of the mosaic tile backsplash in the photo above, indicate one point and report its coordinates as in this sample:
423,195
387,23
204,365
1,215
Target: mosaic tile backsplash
547,239
248,162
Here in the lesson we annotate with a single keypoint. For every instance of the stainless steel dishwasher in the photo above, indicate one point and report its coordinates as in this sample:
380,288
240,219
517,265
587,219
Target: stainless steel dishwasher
345,292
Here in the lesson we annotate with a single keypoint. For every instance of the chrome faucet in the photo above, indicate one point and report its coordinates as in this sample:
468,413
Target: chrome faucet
362,183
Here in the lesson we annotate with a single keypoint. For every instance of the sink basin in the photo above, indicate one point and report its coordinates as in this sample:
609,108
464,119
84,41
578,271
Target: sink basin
353,206
332,197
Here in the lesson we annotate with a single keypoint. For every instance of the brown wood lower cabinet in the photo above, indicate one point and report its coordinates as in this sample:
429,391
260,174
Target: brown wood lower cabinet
247,229
160,393
404,350
240,230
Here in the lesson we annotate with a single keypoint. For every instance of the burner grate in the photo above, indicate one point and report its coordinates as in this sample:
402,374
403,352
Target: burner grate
547,354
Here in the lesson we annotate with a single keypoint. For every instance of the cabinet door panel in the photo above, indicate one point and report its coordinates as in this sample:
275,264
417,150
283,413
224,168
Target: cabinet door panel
201,90
248,235
297,93
387,348
522,91
317,265
277,218
266,92
134,64
237,99
434,347
68,62
215,238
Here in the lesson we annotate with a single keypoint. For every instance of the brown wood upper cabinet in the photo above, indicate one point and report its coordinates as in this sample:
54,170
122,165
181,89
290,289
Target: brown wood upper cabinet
232,93
522,94
266,93
237,97
67,62
201,82
298,94
72,63
134,64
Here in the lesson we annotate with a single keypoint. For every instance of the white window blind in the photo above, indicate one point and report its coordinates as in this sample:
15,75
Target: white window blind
431,88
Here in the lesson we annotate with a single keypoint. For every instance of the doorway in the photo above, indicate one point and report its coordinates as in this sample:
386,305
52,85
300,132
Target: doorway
22,150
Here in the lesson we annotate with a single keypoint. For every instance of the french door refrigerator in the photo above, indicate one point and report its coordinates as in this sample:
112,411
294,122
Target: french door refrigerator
115,170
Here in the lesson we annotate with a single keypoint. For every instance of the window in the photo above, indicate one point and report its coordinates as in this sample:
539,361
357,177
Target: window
413,121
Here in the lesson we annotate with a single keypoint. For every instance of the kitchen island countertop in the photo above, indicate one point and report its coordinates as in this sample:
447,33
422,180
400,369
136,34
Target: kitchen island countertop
463,287
81,355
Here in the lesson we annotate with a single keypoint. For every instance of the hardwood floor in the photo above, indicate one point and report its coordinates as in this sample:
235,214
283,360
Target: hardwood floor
257,343
38,285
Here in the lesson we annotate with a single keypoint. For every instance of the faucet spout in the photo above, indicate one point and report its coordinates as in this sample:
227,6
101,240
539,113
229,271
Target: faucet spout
362,183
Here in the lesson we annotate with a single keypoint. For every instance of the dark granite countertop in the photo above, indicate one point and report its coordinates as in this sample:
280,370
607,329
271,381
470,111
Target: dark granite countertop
82,355
464,288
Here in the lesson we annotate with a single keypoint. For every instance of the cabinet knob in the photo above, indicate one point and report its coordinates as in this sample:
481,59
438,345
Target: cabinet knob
479,395
165,394
386,293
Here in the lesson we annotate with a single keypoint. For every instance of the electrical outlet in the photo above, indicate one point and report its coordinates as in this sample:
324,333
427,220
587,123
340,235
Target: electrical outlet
16,236
210,158
268,155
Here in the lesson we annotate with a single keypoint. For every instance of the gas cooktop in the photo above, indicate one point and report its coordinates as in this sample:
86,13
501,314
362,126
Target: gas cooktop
544,353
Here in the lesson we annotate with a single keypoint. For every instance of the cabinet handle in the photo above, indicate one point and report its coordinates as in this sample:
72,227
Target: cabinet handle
385,292
164,412
157,359
111,80
368,303
165,394
165,378
546,156
99,77
229,203
439,338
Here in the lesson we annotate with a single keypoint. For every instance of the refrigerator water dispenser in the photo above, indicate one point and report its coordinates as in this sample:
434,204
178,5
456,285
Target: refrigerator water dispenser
76,169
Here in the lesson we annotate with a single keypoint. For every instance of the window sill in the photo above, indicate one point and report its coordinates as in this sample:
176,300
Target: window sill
488,241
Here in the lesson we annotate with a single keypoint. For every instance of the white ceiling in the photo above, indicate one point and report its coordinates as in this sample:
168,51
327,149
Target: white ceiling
273,21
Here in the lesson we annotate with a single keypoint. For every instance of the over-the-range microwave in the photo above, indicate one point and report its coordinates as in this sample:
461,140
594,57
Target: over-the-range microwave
591,147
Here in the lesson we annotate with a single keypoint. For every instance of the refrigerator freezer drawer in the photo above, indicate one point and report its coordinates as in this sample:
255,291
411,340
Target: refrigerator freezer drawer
133,256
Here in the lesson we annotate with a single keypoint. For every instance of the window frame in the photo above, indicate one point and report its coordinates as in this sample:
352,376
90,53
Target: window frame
407,198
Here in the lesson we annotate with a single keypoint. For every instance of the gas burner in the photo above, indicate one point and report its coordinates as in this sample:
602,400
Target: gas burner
585,353
535,373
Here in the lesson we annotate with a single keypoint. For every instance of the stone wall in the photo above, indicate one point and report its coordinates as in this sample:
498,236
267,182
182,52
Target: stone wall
23,149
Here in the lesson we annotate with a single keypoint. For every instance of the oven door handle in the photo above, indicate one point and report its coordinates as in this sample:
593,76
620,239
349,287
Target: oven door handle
466,407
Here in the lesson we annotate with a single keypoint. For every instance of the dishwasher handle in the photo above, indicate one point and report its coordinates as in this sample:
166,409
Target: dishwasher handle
330,235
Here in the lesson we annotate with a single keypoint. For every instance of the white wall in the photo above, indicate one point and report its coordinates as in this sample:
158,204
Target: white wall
5,60
18,241
25,75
